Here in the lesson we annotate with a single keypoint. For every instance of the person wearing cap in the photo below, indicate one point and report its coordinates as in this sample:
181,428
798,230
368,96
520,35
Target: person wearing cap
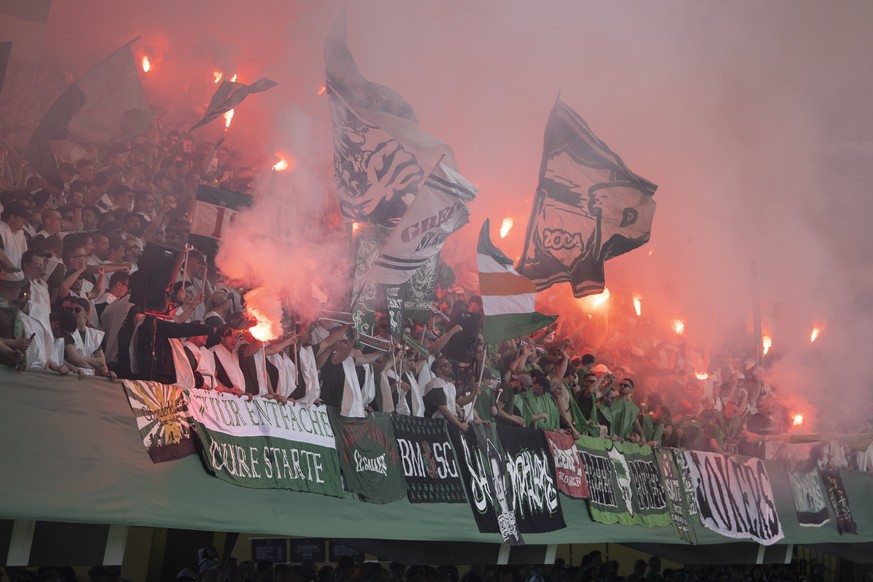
13,241
503,409
13,343
540,409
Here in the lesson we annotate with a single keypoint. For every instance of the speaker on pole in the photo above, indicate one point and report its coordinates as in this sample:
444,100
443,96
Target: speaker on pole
158,269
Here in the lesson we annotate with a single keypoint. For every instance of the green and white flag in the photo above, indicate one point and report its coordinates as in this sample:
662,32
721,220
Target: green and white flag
507,298
262,444
624,483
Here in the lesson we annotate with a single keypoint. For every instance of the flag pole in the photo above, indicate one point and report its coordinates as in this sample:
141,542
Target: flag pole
756,315
538,198
481,374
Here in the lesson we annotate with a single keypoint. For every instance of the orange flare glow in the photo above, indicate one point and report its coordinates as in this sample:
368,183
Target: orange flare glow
638,305
766,343
355,227
281,165
227,117
218,75
592,302
797,420
233,79
701,375
678,326
322,90
264,330
598,300
146,65
505,227
814,335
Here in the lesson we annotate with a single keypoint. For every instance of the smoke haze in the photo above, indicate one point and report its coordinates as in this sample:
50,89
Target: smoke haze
753,118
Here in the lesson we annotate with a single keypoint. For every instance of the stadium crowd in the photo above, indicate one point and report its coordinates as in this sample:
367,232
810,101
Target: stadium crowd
71,249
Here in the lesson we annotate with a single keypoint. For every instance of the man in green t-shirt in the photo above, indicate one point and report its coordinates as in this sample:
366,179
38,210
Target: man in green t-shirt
504,409
541,410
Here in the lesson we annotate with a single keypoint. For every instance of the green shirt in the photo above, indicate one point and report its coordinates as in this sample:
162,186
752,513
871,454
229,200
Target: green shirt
544,404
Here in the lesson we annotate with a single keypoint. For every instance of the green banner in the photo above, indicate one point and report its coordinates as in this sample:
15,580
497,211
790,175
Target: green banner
624,483
262,444
368,455
673,487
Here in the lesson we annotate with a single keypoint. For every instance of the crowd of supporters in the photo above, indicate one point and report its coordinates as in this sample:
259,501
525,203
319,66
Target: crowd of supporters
70,255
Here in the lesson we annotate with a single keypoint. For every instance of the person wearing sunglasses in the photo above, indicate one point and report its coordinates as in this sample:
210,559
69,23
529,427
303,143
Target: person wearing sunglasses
83,347
441,396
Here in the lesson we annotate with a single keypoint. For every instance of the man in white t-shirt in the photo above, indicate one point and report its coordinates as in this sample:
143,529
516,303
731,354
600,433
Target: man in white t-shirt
13,242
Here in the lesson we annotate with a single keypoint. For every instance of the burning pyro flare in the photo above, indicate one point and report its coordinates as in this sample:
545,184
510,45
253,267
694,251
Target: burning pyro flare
601,298
233,79
227,117
816,331
281,165
701,375
766,343
146,65
322,90
678,326
638,305
218,75
797,420
264,330
505,227
355,227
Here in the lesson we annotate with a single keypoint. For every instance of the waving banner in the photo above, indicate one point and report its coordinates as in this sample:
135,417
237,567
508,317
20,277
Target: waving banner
839,500
266,445
381,156
531,473
428,459
624,483
369,457
676,498
161,414
483,466
735,498
809,500
589,207
568,465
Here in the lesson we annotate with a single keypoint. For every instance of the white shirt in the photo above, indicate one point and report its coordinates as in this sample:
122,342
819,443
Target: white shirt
287,373
40,348
40,301
450,392
14,243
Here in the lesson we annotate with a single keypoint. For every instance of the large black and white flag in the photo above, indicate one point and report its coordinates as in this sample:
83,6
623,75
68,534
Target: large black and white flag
438,210
381,157
734,498
589,207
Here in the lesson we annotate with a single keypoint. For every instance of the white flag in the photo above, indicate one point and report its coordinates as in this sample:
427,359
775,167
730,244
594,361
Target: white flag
439,210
